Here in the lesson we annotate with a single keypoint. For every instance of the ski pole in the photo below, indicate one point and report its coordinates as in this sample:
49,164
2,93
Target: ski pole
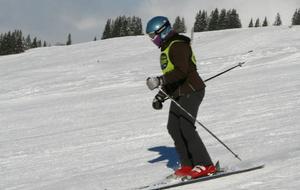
194,118
240,64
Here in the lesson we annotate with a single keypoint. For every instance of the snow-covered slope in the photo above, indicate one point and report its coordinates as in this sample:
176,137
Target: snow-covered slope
80,117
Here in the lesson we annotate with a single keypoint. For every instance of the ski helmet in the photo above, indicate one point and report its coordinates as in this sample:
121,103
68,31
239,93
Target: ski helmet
158,29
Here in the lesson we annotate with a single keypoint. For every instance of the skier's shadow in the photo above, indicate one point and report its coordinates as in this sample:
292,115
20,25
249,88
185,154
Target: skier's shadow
168,154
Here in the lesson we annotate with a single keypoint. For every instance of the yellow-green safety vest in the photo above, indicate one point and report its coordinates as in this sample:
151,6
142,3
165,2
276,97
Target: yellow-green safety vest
165,61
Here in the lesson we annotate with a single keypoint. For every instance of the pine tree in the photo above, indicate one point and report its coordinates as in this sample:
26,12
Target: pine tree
135,26
107,33
179,25
4,44
228,19
139,29
204,19
183,27
278,21
28,42
176,25
1,43
234,20
69,41
39,43
6,47
257,23
124,29
251,23
200,24
222,22
116,27
9,43
213,20
132,25
296,17
34,43
45,44
197,23
265,23
19,44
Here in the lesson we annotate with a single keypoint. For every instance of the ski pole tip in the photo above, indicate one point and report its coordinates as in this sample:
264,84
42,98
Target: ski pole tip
237,156
242,63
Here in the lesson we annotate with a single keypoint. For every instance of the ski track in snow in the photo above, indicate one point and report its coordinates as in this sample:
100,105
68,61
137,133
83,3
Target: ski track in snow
80,117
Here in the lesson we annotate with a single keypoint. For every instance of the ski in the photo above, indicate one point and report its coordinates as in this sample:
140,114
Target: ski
170,183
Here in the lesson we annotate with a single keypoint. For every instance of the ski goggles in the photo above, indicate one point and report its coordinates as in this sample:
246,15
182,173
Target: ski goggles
152,35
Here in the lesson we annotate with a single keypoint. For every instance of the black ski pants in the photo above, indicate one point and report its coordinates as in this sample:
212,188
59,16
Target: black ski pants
181,127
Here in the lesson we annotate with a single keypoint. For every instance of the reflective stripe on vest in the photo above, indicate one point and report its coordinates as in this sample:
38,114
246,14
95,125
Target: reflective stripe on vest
165,61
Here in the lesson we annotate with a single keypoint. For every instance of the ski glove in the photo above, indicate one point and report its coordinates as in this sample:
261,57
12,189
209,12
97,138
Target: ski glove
158,100
154,82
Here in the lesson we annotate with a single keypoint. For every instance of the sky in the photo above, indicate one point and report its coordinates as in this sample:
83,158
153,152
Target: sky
53,20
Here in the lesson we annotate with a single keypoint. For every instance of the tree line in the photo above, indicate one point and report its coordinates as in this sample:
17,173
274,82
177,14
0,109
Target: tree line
277,22
218,20
123,26
14,42
257,23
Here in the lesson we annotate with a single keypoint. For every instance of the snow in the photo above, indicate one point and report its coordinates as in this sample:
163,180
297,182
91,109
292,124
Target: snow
80,117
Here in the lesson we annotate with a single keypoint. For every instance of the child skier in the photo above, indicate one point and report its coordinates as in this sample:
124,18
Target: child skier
181,81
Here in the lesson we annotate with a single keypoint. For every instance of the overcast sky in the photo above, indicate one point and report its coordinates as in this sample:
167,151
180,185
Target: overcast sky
52,20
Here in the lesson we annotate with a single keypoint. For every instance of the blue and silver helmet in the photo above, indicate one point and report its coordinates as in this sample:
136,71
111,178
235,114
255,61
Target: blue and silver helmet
158,29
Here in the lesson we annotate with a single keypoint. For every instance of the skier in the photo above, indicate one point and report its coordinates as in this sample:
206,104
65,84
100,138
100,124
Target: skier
181,81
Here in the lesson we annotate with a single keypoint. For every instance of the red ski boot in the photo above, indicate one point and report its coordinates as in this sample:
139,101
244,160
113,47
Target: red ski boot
183,171
201,171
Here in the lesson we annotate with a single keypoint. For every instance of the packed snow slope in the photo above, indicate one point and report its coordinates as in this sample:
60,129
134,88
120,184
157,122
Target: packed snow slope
80,117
